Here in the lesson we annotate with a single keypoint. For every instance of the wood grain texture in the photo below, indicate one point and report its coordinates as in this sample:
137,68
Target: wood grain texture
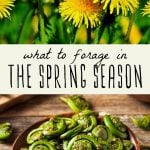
44,105
7,101
125,106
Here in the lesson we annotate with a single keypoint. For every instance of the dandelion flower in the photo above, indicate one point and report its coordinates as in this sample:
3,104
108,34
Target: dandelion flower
116,5
146,10
5,7
81,12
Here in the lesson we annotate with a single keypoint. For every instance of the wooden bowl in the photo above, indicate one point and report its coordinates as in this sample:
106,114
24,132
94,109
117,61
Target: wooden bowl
21,139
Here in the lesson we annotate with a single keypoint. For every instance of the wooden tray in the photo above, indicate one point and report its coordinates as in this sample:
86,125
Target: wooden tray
6,101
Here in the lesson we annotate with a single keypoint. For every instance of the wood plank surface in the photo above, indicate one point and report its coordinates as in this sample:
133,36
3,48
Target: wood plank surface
7,101
125,106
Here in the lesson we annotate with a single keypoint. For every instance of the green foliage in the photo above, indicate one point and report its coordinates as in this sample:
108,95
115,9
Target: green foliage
10,28
20,27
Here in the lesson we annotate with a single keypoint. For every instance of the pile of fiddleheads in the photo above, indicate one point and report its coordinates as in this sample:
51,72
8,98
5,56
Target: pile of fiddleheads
82,131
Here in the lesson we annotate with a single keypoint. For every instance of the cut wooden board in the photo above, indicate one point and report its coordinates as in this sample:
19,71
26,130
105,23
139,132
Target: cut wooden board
6,101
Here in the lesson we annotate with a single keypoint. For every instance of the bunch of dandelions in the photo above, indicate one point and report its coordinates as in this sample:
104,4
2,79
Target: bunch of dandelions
146,10
81,12
87,12
5,7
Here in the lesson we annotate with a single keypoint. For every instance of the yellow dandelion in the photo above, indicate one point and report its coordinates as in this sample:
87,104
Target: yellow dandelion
116,5
146,10
5,7
81,12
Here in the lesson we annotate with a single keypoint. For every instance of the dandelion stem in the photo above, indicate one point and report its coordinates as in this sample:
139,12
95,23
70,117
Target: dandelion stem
41,22
57,3
129,27
23,26
111,34
99,32
74,37
89,35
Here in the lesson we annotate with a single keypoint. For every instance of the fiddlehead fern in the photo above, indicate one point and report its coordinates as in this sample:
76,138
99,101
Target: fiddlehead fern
46,124
57,127
42,145
102,133
88,121
115,126
82,145
5,131
127,145
83,142
47,130
116,145
70,123
143,122
118,124
76,103
34,135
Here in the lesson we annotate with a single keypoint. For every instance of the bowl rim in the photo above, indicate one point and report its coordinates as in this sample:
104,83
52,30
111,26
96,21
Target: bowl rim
36,124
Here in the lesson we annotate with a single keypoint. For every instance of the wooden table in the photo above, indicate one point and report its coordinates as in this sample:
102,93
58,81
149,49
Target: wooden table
25,114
